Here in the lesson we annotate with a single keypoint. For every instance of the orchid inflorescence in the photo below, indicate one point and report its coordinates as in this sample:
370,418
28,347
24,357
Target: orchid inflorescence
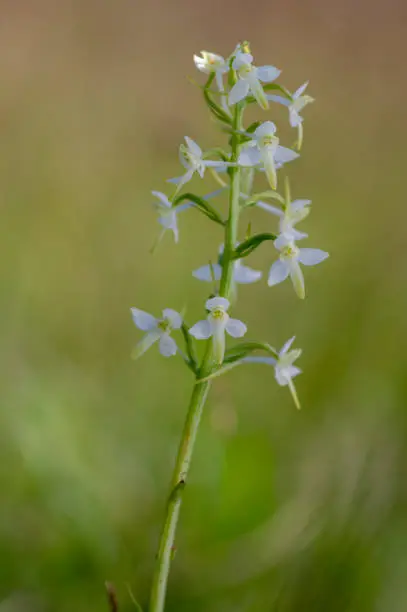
259,149
232,85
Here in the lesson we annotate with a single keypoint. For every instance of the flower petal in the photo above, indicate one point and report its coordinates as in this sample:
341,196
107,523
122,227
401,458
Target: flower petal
299,204
206,273
284,155
217,302
278,99
293,371
249,156
218,338
143,320
238,92
286,346
148,340
236,328
167,345
257,90
267,155
245,275
297,278
278,273
312,257
163,198
267,74
201,330
193,146
254,359
270,208
300,90
173,317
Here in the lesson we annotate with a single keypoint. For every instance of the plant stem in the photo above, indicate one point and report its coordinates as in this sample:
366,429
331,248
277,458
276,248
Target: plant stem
199,395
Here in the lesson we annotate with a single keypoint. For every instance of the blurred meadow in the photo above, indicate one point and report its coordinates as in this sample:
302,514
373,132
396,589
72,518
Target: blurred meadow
285,511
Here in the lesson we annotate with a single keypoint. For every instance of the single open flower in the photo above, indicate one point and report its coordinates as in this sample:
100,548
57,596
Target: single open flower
264,150
250,78
191,157
293,213
211,63
167,214
289,263
158,330
296,105
284,370
217,323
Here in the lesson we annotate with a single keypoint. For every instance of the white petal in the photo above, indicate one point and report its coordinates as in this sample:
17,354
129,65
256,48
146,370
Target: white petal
267,74
238,92
173,317
283,240
312,257
206,273
167,345
149,339
268,128
163,198
143,320
245,275
294,117
193,146
201,330
284,155
236,328
217,302
299,204
300,90
293,371
183,180
219,80
297,278
249,156
270,208
257,90
241,59
267,155
267,360
278,273
218,338
201,64
286,346
278,99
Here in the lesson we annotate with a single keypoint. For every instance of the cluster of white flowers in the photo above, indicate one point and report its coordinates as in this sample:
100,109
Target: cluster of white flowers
259,150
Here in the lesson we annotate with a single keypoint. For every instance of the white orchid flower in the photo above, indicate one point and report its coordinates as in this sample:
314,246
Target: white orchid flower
294,212
296,105
250,78
158,330
242,274
217,323
191,157
211,63
289,263
284,370
264,149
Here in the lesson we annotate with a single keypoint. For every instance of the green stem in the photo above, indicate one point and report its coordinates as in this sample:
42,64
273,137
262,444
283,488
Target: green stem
198,398
231,234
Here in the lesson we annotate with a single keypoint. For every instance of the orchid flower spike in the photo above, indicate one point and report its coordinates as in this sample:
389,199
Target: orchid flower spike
296,105
191,157
284,370
157,330
217,323
293,213
264,149
289,263
250,78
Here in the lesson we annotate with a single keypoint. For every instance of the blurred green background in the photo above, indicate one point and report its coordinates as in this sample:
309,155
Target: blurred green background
284,511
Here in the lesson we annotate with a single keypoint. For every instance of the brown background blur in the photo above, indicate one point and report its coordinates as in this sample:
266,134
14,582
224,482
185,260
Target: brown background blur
285,511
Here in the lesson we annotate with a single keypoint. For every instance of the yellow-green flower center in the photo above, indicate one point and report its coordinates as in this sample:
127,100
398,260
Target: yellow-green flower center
218,314
164,325
289,251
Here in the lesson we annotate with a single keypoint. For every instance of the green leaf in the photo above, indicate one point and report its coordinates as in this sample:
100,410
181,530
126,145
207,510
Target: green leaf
219,372
248,246
201,205
240,351
253,127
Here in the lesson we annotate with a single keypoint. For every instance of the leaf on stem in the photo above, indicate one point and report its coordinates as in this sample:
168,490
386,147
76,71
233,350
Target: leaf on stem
248,246
201,205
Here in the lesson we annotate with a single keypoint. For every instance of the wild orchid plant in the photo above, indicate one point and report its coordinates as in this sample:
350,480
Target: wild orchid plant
252,148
